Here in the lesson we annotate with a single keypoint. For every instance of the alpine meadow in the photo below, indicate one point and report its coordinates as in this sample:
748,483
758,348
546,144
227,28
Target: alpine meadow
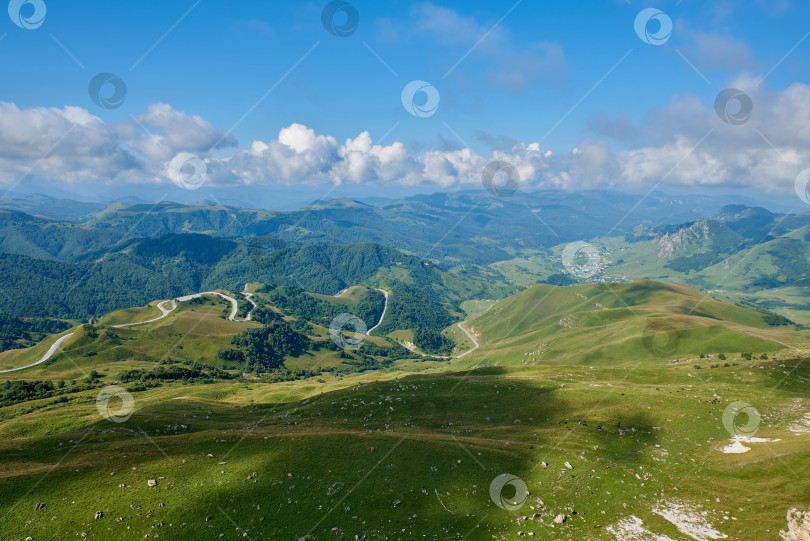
444,270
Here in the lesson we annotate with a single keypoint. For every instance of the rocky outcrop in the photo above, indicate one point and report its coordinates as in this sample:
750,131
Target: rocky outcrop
670,242
798,526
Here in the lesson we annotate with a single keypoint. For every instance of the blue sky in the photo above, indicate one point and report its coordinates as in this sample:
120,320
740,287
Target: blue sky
571,77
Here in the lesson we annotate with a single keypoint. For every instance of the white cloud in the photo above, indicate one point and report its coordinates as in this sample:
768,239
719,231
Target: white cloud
67,144
191,133
694,147
681,143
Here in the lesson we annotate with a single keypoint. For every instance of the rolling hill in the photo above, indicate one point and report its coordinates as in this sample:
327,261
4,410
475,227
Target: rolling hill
335,445
601,324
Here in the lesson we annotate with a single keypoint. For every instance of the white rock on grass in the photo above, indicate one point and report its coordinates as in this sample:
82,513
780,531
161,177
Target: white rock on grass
632,529
798,523
737,446
151,483
688,519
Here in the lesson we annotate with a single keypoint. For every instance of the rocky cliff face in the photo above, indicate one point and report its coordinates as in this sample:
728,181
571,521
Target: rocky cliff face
696,236
669,243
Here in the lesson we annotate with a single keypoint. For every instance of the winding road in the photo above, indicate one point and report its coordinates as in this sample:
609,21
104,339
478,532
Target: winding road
249,297
385,308
165,312
413,349
48,354
459,356
470,336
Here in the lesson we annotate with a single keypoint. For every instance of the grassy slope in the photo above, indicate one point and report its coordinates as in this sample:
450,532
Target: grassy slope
333,455
333,461
606,323
735,277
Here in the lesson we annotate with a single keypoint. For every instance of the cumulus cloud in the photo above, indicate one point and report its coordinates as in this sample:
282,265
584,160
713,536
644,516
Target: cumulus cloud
692,146
68,144
179,130
680,143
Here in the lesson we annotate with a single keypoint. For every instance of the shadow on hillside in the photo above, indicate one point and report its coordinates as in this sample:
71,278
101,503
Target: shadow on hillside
789,375
625,438
408,457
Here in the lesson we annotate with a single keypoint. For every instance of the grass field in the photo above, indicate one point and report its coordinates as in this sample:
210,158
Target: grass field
412,456
411,452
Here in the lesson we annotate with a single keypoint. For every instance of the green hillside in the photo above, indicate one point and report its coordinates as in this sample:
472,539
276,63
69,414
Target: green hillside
292,437
624,322
140,270
407,456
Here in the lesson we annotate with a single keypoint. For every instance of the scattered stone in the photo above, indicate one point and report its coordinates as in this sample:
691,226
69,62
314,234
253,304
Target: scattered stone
559,519
569,466
397,503
151,483
544,464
